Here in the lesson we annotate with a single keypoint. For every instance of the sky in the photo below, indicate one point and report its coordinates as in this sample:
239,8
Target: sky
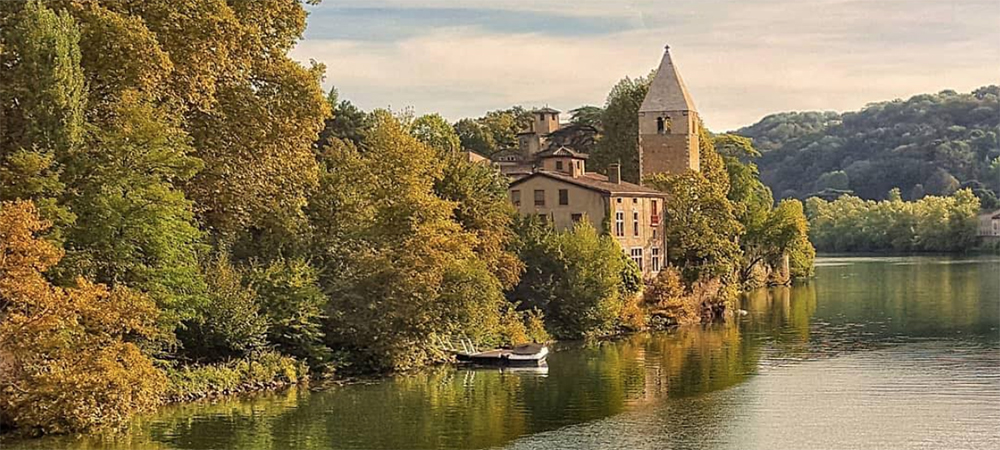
740,59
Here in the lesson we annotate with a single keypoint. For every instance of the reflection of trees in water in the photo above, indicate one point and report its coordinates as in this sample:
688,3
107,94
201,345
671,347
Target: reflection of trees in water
445,407
912,297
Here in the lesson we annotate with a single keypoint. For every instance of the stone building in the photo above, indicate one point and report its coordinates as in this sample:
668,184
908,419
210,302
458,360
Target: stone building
562,192
543,134
668,124
550,180
989,226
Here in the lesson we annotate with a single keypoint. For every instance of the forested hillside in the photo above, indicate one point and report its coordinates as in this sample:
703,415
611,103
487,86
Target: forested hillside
928,144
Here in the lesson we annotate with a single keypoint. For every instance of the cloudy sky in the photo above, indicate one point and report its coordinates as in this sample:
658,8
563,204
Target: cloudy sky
741,59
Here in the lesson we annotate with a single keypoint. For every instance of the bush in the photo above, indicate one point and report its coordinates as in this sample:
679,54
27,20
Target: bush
670,302
578,278
293,305
69,359
258,371
231,324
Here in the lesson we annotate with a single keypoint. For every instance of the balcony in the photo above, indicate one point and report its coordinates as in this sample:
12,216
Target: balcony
654,220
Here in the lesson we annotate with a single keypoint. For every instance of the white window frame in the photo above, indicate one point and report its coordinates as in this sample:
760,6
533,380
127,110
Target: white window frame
620,223
654,259
636,254
635,223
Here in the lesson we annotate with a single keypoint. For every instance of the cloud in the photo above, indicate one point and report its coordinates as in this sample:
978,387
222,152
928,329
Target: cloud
741,60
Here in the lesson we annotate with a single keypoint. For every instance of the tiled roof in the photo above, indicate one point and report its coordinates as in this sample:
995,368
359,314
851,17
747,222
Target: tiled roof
548,110
597,183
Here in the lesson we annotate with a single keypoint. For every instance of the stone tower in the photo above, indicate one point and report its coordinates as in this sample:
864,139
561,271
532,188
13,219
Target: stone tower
533,140
668,124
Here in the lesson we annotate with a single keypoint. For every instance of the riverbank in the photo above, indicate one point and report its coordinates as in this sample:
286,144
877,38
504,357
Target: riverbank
840,360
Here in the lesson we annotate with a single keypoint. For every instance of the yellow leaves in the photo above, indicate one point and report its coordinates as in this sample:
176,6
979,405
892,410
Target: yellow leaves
64,363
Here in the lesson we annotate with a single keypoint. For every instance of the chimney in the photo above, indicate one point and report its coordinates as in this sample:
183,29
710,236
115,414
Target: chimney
615,173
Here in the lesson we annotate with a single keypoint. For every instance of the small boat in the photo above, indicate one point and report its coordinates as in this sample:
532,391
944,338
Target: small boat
529,355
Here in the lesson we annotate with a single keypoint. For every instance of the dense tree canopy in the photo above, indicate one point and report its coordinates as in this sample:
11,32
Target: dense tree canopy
930,144
931,224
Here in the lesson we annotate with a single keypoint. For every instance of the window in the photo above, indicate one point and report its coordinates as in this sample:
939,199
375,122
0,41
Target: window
544,218
619,200
539,197
563,197
659,125
654,208
654,259
635,223
576,217
578,165
559,165
619,223
515,197
637,256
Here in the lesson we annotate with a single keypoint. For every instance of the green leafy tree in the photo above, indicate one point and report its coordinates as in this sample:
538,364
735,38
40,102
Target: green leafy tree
588,115
231,324
294,306
42,98
433,130
475,137
701,222
579,278
620,122
387,245
931,224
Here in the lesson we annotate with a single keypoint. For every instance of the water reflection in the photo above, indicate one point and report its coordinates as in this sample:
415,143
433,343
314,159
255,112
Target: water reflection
698,387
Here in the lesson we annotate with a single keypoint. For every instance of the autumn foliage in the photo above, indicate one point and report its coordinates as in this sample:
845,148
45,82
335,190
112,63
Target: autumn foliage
69,357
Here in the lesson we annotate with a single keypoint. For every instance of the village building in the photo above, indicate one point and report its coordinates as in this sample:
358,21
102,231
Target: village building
989,226
668,124
549,177
564,193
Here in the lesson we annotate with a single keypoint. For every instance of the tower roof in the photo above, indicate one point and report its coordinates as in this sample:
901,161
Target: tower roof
667,91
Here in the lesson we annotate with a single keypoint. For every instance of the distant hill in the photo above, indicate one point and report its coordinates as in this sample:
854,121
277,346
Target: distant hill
928,144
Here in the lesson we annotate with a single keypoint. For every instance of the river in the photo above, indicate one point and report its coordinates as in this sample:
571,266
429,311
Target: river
875,352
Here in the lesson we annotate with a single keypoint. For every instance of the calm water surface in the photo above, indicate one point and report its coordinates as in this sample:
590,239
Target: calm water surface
874,353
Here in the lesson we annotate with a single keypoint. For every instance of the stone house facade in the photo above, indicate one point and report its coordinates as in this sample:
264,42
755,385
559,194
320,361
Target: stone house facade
564,193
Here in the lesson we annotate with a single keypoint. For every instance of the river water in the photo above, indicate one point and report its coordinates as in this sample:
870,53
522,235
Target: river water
874,353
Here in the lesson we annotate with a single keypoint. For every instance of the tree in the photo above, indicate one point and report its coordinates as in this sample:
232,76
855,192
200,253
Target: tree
701,222
294,306
231,323
133,227
837,179
579,278
587,115
620,121
433,130
347,122
387,246
42,99
483,209
80,340
475,137
769,233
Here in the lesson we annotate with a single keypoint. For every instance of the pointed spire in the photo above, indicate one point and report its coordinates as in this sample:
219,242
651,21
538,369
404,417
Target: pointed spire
667,92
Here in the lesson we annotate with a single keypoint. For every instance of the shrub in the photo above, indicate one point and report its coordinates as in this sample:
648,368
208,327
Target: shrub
670,302
68,357
293,305
258,370
231,324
